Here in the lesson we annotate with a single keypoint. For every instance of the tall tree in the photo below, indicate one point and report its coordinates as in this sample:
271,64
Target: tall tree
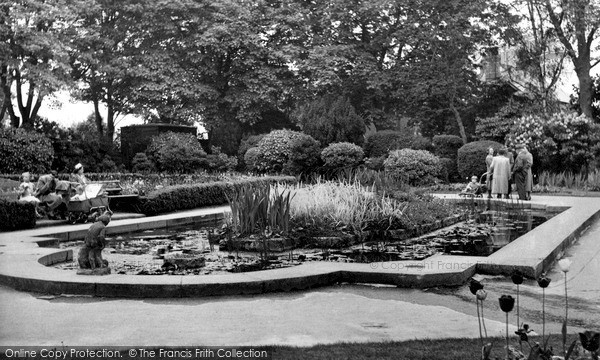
100,61
33,59
398,57
219,62
576,24
540,56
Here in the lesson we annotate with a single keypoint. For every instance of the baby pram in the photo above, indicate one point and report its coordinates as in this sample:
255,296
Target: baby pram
88,206
479,191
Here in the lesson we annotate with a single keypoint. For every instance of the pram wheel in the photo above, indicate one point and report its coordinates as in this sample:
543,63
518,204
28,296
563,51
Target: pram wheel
72,218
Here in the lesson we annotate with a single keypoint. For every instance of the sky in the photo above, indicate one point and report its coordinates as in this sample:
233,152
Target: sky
62,109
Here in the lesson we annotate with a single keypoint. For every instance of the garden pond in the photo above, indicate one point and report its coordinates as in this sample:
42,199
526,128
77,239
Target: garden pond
204,251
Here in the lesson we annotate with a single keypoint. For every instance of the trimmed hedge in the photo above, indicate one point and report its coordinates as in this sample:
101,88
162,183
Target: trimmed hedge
275,150
183,197
342,155
413,166
200,176
24,150
446,146
381,143
16,215
471,157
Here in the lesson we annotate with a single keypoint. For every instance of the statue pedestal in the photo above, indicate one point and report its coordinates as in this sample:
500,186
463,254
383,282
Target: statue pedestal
98,271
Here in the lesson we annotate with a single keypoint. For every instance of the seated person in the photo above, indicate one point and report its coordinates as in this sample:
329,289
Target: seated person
46,192
26,190
78,176
79,194
473,187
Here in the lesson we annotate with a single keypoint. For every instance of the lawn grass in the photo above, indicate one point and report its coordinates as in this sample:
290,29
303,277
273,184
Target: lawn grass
447,349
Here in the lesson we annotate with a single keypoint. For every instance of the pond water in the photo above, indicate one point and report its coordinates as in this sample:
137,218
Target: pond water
176,251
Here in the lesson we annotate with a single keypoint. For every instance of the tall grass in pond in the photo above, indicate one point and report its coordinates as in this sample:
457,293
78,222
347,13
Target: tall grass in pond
333,205
256,209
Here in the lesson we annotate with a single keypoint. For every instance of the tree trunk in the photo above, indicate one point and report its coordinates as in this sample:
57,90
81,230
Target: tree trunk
3,112
586,86
97,115
7,103
461,127
581,58
110,117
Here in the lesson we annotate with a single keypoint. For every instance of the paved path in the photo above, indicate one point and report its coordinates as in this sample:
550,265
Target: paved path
321,316
327,315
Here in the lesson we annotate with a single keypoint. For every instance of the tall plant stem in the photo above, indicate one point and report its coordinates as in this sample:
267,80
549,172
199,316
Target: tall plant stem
507,352
566,312
483,321
543,314
518,317
479,322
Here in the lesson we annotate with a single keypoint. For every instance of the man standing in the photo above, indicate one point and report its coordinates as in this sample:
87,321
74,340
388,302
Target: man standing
522,172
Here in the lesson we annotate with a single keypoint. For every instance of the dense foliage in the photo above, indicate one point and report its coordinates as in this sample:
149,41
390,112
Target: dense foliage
176,152
342,155
471,157
220,162
498,126
446,147
182,197
381,142
80,143
303,157
232,64
142,164
413,166
16,215
23,150
282,150
248,142
329,119
559,142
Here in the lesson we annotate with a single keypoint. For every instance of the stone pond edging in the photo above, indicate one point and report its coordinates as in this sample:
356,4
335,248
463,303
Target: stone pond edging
24,265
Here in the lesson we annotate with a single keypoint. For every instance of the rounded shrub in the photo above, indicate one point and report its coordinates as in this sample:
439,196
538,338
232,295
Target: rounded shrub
446,146
247,142
471,157
176,152
342,155
24,151
141,164
448,170
276,149
304,155
253,158
414,166
218,161
381,142
421,143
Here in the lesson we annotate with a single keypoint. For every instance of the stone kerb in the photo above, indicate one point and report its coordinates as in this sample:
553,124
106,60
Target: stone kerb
24,265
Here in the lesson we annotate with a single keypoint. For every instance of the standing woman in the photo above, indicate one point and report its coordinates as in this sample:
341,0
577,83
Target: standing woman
488,178
500,174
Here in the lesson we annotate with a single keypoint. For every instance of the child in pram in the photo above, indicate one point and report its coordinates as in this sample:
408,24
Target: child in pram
474,188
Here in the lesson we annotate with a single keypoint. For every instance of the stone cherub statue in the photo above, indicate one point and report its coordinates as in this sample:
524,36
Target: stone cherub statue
90,254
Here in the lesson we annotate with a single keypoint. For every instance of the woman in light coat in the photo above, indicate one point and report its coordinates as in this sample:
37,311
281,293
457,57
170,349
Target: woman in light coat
501,171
